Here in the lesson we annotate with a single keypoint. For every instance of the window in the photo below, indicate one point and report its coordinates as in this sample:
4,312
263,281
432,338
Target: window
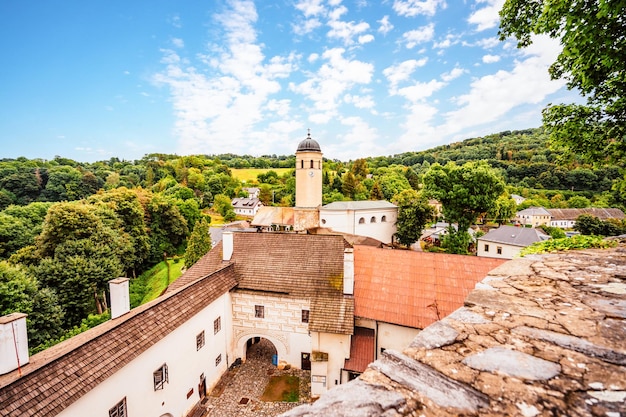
218,360
486,248
323,221
259,311
119,410
302,163
160,377
361,220
217,325
373,219
311,163
305,316
383,219
200,340
499,250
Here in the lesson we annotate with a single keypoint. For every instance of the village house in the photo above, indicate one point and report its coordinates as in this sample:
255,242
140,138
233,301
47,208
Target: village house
566,218
533,217
246,206
506,242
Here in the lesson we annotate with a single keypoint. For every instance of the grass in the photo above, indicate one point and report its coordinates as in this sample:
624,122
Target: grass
250,174
157,279
282,388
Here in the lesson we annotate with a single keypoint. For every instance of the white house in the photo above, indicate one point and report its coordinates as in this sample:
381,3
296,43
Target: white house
245,206
375,219
566,218
533,216
506,242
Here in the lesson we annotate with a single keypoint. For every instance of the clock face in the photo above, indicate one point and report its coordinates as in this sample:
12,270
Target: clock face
311,174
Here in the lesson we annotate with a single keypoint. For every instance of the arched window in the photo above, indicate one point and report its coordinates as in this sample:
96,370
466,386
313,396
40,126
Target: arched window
323,221
383,219
311,163
361,220
373,219
302,163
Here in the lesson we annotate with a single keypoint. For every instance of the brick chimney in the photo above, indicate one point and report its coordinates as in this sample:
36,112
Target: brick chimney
120,298
348,271
227,245
13,342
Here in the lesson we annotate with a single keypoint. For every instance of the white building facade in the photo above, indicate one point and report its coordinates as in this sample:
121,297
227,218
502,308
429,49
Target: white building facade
375,219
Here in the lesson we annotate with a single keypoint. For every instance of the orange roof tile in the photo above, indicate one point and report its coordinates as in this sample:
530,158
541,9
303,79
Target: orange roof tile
361,350
413,289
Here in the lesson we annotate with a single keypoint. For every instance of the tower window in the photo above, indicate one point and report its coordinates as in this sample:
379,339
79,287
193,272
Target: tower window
311,163
302,163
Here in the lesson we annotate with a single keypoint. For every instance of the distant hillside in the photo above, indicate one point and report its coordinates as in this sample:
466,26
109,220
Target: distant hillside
523,157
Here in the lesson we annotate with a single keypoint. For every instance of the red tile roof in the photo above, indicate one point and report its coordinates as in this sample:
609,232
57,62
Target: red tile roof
361,350
413,289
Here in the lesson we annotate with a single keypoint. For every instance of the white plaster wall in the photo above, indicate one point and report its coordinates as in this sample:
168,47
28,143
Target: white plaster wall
338,348
392,336
348,222
185,364
508,251
282,325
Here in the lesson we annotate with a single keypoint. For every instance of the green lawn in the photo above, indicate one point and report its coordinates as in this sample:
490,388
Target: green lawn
157,280
250,174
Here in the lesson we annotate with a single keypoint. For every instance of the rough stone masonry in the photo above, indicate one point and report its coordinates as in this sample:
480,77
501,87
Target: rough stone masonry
539,336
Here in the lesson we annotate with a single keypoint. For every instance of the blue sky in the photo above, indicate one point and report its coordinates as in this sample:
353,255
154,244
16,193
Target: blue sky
91,80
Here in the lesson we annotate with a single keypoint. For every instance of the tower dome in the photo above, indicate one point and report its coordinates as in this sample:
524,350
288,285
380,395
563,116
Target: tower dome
309,145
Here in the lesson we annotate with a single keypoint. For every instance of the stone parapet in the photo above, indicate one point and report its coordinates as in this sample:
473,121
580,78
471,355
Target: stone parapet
540,336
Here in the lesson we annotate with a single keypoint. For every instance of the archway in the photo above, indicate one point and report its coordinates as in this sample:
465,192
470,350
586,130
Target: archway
261,349
248,339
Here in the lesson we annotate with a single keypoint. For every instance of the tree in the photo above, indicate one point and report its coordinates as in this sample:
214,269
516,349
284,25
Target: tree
465,192
359,169
414,213
20,292
377,192
349,184
199,243
591,34
578,201
503,209
222,204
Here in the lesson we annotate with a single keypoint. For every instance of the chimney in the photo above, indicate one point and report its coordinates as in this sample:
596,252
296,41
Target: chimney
227,245
120,298
13,342
348,271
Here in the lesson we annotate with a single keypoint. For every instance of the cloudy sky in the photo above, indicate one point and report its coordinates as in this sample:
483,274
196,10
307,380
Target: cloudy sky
91,80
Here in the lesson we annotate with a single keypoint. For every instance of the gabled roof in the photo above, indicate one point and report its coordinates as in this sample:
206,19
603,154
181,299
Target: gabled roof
413,289
359,205
514,236
60,375
362,348
288,264
533,211
245,202
268,216
573,213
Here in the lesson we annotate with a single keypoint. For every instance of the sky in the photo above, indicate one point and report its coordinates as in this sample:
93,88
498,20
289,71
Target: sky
92,80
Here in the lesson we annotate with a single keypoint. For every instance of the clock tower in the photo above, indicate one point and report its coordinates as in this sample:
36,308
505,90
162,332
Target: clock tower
308,174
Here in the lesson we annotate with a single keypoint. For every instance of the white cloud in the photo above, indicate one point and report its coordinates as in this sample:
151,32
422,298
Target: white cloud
310,7
492,96
456,72
420,91
410,8
358,142
346,31
447,42
308,26
178,43
414,37
360,102
366,39
217,108
402,72
333,79
486,17
385,26
490,59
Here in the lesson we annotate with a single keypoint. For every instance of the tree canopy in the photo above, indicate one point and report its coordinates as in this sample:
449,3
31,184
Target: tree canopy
591,34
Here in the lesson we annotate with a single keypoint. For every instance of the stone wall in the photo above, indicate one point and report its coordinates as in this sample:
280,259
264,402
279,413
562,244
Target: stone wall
544,336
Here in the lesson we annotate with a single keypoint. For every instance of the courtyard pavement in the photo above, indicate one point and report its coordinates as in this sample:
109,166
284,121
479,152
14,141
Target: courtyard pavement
239,391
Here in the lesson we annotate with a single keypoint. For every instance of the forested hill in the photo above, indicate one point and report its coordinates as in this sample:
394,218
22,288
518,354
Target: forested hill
523,157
